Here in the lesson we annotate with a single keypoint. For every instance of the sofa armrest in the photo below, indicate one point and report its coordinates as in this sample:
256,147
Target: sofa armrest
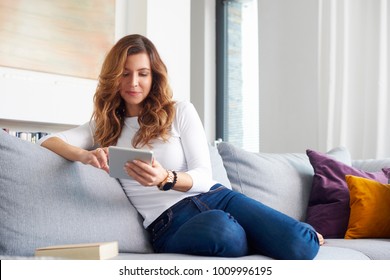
47,200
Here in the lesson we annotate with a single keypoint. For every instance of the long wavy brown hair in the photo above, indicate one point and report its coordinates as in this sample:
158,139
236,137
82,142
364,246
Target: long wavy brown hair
157,113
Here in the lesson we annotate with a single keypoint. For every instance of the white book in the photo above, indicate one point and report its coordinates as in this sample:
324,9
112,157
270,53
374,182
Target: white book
84,251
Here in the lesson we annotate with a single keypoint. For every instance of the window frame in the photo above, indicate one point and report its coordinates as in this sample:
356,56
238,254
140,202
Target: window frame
221,66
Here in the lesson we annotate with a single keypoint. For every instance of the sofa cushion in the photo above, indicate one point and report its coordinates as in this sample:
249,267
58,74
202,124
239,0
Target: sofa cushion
372,165
373,248
328,210
339,253
47,200
370,208
281,181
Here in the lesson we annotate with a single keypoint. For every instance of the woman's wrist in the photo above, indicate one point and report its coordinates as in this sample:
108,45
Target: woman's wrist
169,182
164,180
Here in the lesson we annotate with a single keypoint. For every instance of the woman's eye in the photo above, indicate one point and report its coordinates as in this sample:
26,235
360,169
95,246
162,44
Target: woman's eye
125,74
143,74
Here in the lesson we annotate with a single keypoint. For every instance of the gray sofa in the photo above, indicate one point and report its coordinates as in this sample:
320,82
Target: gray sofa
47,200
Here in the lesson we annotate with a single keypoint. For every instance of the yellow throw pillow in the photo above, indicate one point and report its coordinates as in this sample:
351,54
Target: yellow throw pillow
370,208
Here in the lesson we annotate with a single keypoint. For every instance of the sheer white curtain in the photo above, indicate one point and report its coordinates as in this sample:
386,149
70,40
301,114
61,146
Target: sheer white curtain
354,76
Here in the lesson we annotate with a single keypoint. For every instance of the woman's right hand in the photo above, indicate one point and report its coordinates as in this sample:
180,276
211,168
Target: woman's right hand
97,158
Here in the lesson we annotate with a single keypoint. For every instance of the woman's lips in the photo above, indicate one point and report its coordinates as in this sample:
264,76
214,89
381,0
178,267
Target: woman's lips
132,93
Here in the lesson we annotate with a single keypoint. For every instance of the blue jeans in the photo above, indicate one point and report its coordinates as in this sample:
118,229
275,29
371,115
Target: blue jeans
226,223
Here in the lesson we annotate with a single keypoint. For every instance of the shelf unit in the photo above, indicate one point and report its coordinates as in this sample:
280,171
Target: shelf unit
34,101
28,126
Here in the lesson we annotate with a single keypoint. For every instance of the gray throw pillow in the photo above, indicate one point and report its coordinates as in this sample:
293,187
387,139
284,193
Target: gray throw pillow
219,171
46,200
281,181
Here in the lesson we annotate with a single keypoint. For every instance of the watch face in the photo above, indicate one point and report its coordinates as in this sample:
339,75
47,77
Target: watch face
167,186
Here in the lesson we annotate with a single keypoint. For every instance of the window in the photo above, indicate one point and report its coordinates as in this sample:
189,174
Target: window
237,73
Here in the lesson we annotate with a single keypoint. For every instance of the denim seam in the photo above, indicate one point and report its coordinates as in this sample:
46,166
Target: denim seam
156,235
199,203
197,200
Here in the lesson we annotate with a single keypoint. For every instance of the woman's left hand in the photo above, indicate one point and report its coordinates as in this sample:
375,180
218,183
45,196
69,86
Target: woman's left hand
146,174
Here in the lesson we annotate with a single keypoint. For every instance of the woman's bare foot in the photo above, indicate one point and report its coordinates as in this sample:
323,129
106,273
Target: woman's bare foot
321,239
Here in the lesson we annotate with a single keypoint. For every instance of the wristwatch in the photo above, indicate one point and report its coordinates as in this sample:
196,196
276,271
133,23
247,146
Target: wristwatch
169,182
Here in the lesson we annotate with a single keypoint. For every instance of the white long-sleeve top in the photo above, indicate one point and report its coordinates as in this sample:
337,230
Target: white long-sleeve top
185,151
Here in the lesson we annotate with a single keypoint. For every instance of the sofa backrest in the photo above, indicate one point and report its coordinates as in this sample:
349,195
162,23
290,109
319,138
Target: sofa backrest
282,181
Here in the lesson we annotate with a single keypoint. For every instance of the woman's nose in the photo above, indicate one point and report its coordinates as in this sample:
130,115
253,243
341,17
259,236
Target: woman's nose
133,81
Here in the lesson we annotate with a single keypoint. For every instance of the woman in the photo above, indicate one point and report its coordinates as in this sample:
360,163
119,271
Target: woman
184,210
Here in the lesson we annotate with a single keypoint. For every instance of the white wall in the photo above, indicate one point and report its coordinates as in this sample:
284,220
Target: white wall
168,27
288,75
203,65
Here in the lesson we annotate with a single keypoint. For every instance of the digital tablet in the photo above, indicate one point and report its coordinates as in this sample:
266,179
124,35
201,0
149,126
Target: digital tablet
118,156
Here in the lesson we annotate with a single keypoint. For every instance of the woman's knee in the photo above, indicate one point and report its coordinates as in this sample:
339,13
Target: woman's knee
230,235
304,244
220,232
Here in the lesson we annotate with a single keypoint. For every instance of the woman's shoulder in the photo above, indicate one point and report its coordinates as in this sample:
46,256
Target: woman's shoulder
186,114
184,105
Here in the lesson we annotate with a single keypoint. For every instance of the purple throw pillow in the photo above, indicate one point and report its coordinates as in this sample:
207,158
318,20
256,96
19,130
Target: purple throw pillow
328,209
